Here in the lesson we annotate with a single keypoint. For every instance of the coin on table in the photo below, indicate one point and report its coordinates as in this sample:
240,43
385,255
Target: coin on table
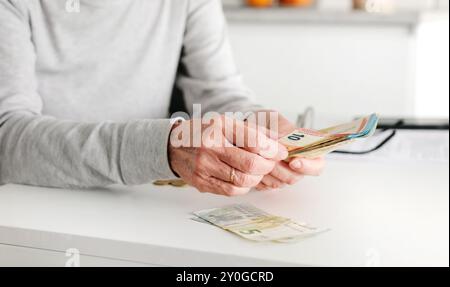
173,182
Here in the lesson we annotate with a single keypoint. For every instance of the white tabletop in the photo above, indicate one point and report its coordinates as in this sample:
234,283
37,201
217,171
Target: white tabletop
379,214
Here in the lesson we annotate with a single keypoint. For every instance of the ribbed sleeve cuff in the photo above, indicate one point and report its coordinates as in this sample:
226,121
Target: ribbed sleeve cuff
144,151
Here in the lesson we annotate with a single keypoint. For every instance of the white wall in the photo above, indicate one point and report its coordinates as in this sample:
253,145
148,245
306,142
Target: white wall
342,71
432,85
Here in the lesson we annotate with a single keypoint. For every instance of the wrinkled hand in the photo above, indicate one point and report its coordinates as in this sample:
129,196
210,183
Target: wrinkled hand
218,165
291,172
294,169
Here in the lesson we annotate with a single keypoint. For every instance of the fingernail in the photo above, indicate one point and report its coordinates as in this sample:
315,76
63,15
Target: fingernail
297,164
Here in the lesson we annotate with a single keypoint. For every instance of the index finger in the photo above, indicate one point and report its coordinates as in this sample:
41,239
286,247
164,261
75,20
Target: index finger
245,161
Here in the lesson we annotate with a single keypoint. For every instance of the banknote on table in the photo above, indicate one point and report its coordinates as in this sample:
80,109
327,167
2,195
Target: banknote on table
255,224
311,143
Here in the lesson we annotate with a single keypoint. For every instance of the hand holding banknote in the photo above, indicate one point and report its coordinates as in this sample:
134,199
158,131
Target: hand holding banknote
211,159
231,171
292,170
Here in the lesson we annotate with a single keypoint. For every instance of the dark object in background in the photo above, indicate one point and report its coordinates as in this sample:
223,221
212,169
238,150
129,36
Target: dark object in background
297,3
177,103
374,6
391,125
413,124
259,3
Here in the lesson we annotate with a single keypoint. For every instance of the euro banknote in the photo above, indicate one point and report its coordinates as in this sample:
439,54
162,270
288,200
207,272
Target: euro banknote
312,143
255,224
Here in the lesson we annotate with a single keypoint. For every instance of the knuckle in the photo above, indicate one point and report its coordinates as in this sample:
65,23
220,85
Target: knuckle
204,150
232,191
201,190
292,180
245,180
226,154
250,164
276,184
272,183
240,179
203,159
270,166
196,183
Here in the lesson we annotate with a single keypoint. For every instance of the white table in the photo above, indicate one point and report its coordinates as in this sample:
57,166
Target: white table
379,214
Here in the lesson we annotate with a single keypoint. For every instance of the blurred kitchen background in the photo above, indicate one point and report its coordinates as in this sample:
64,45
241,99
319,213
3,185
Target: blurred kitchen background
344,57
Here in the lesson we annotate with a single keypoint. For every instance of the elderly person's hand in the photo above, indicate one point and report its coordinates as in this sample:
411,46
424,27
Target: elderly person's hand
222,162
292,170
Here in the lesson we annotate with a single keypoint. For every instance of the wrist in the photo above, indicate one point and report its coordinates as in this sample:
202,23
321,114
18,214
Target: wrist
171,148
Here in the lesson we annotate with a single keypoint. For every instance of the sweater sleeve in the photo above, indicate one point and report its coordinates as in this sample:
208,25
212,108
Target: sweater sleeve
210,76
41,150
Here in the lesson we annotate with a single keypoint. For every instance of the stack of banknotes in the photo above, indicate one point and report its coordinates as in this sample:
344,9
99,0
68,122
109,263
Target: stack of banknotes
255,224
310,143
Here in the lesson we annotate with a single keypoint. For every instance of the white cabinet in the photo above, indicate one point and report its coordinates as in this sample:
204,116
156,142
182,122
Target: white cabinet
30,257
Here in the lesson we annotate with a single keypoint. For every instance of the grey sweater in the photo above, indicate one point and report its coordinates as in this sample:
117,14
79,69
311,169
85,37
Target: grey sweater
84,96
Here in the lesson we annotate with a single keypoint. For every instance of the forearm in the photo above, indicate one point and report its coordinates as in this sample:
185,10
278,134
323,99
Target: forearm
44,151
